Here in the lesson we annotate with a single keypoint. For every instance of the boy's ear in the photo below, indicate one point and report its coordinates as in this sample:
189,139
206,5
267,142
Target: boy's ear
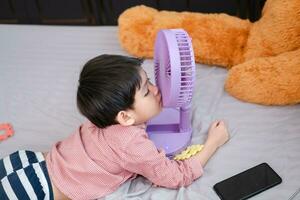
124,118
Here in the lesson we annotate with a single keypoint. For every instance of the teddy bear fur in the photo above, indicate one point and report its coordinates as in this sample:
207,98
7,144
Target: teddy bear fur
263,58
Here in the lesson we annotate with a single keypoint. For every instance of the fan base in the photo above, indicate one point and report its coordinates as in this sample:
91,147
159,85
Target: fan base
165,132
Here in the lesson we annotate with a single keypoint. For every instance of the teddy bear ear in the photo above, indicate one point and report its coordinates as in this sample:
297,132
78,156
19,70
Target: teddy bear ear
136,34
132,13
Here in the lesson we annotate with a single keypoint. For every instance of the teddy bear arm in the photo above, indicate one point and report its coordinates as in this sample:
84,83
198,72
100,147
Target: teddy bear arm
267,80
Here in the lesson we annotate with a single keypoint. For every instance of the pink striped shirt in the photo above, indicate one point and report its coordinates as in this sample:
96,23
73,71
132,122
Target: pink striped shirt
93,162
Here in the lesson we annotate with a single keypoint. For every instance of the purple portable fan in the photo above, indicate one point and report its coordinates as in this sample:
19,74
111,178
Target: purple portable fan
175,77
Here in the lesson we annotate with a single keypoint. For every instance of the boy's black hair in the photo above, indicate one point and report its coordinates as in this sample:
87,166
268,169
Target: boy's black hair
107,85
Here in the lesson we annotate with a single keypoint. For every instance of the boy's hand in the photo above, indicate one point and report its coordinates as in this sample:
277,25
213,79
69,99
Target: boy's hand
217,134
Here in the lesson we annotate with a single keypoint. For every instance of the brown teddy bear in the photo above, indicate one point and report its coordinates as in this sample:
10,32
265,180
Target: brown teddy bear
263,57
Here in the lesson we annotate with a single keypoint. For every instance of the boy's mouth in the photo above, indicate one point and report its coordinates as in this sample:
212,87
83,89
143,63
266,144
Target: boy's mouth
160,99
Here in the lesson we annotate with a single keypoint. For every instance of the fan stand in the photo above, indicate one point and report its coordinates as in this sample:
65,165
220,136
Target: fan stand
171,125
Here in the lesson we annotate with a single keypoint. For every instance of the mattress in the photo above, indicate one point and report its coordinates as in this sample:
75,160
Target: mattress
39,68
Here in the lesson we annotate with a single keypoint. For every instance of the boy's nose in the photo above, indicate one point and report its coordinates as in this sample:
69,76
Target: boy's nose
154,89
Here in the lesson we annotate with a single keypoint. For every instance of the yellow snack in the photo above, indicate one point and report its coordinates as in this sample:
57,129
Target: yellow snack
189,152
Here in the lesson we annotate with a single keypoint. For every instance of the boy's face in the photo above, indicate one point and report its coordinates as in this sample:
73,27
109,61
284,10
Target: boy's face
147,102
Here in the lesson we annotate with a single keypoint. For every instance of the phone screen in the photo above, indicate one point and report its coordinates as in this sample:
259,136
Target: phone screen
247,183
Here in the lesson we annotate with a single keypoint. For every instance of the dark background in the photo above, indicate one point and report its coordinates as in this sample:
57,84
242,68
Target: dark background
106,12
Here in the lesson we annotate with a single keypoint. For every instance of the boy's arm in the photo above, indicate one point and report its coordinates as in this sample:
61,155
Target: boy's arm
206,153
140,156
217,136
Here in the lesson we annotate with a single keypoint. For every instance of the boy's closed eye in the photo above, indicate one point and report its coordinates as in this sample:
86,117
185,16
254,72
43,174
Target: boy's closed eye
147,82
147,92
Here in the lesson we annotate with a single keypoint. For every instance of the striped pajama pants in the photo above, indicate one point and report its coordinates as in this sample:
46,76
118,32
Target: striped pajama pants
24,176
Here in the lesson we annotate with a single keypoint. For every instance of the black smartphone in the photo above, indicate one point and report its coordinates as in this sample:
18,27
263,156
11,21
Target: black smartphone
248,183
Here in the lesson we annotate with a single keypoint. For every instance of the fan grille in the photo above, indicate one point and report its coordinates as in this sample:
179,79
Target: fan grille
186,67
174,67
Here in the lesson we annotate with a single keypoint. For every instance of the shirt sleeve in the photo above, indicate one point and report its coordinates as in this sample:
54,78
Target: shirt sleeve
142,157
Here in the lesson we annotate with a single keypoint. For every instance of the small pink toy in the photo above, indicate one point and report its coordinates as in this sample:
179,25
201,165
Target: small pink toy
7,129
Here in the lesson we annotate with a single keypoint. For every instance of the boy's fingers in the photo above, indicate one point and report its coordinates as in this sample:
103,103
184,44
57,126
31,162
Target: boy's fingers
215,123
220,122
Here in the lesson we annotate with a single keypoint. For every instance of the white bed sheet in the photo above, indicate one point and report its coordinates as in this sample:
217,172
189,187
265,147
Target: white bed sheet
39,68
